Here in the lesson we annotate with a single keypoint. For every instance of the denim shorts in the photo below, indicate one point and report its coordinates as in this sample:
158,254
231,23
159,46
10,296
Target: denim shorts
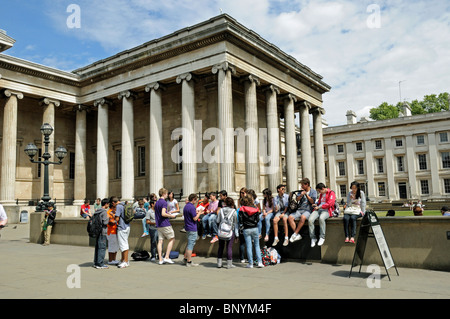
300,213
192,237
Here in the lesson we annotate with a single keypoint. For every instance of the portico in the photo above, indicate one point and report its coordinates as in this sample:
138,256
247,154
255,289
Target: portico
119,117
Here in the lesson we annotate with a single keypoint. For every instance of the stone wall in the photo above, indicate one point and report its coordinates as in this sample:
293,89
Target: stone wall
415,242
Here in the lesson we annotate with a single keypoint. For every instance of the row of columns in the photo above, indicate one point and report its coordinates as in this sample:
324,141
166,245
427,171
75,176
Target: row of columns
224,72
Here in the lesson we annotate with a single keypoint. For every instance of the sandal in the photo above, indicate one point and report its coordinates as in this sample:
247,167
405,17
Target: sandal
352,240
347,240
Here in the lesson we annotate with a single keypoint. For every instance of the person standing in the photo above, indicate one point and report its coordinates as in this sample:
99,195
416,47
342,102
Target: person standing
322,211
228,212
191,215
123,232
48,222
152,231
165,230
100,242
353,209
111,234
248,219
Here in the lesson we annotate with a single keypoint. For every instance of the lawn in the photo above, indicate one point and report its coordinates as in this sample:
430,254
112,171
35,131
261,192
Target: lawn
410,213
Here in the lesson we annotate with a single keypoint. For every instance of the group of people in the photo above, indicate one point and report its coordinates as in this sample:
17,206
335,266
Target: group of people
223,220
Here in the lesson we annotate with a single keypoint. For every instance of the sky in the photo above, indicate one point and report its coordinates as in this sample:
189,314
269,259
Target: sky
369,52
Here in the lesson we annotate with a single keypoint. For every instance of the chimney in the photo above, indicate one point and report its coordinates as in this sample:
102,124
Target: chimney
351,117
406,109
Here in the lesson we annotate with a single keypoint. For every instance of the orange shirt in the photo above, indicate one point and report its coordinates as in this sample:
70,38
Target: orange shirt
112,229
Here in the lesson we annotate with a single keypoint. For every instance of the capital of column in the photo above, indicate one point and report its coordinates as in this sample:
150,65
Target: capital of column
154,86
251,78
317,110
225,66
48,101
127,94
306,104
290,97
8,93
272,88
81,108
102,101
184,76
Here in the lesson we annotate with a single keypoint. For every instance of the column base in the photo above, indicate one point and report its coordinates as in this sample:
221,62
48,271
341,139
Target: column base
78,202
8,203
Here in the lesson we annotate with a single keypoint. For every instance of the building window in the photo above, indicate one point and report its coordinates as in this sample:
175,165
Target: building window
381,189
326,169
447,186
71,165
180,155
400,164
424,187
422,162
445,159
378,145
340,148
443,137
341,166
118,164
343,189
359,147
141,160
398,142
380,166
421,140
360,164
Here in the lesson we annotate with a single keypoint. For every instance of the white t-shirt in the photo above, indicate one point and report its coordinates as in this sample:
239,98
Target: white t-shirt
172,205
2,214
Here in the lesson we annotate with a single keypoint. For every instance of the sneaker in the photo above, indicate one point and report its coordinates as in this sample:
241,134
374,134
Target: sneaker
249,266
160,262
260,265
216,238
144,235
266,238
113,262
295,237
101,267
168,261
152,259
275,241
183,230
209,235
313,242
123,265
242,261
321,241
204,236
286,241
191,264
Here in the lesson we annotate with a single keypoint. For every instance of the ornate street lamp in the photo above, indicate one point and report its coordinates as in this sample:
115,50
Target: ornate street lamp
31,150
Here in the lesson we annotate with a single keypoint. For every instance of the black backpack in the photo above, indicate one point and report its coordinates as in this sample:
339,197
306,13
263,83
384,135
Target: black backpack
140,255
95,226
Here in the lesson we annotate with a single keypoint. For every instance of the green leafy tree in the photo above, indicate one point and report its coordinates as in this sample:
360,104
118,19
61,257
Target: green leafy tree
385,111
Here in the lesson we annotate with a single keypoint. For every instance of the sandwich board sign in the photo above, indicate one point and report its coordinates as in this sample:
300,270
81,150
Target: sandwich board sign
371,228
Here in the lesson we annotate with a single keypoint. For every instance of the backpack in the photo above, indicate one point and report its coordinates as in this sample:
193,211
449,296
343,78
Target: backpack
95,226
265,257
336,211
293,204
225,229
128,213
140,255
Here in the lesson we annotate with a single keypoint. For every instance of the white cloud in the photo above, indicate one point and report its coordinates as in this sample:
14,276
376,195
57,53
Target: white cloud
362,65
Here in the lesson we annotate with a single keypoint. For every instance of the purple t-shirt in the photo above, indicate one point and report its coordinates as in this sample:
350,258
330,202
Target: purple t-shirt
189,213
161,221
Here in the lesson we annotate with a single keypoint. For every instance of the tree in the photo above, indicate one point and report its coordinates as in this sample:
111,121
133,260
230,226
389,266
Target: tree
430,104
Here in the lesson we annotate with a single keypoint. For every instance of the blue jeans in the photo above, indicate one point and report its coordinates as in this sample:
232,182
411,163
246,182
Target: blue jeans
100,250
347,219
205,223
267,220
323,215
213,229
252,234
153,232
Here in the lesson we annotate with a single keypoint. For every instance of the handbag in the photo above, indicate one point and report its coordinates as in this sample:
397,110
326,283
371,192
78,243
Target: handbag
352,210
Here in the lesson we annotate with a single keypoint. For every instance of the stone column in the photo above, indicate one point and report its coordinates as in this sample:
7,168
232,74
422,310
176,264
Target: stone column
392,190
80,156
102,179
372,188
9,148
290,143
156,172
411,167
189,146
127,98
433,152
252,171
49,117
318,145
305,135
225,121
273,138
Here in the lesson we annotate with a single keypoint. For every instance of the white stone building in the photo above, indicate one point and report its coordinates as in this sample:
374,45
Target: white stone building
118,117
407,158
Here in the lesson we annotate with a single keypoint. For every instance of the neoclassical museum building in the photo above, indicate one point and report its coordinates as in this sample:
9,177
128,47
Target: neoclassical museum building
209,107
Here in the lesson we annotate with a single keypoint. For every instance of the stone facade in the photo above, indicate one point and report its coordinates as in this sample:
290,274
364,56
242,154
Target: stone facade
118,117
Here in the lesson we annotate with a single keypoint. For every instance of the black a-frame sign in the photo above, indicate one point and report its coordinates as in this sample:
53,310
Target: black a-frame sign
371,228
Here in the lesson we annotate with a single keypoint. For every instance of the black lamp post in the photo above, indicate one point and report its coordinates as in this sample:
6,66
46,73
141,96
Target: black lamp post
31,150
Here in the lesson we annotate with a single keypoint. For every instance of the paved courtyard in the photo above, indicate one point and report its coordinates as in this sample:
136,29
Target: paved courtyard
32,271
